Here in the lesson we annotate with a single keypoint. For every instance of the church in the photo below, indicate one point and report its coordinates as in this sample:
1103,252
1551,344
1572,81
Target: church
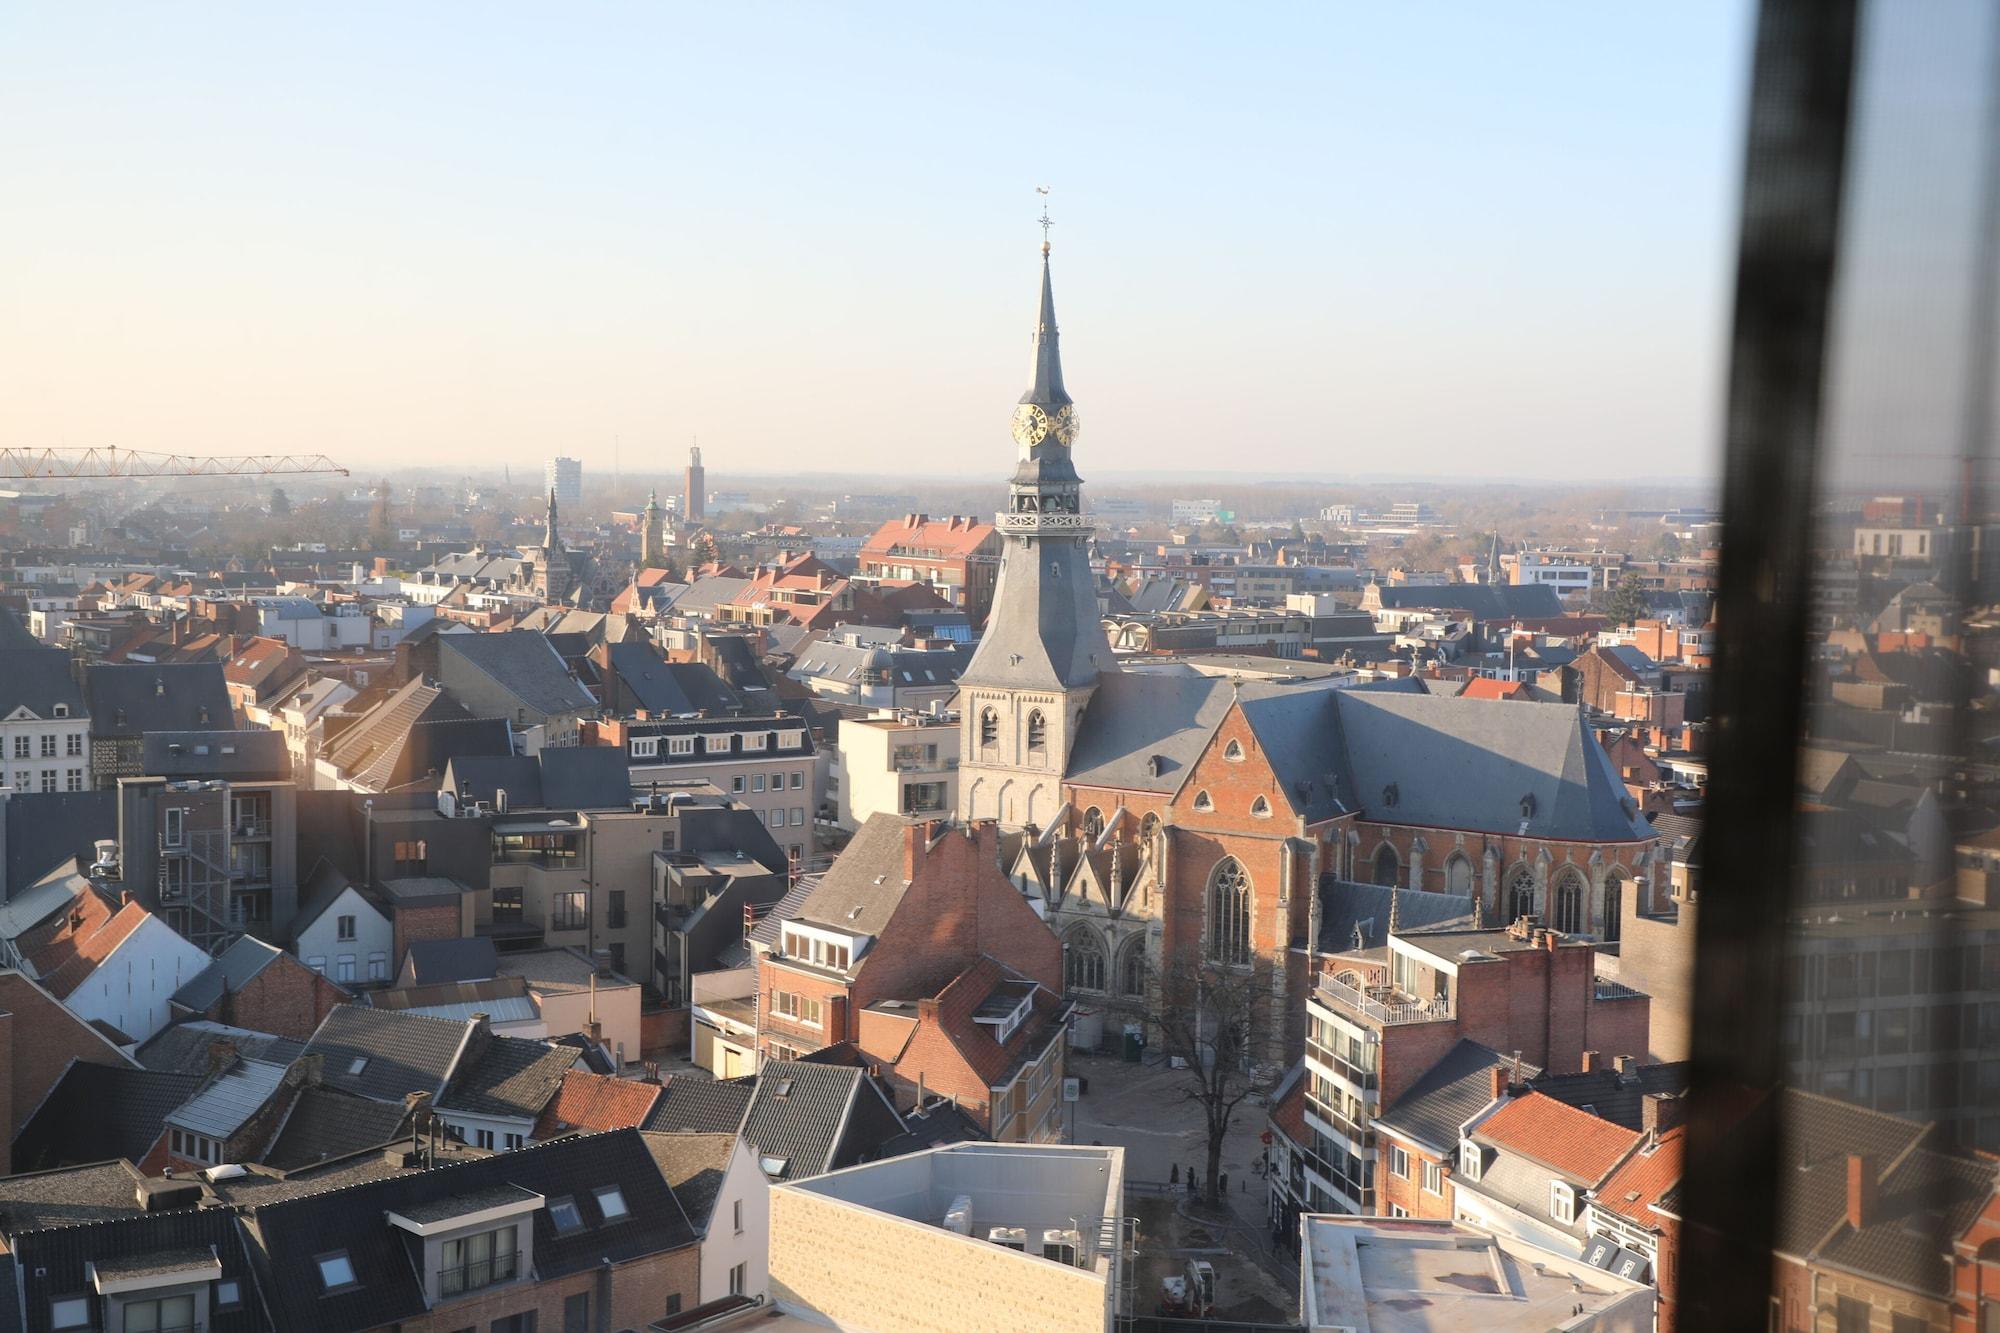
1163,817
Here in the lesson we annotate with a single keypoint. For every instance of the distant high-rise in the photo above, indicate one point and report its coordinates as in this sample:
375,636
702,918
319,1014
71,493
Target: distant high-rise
693,496
564,476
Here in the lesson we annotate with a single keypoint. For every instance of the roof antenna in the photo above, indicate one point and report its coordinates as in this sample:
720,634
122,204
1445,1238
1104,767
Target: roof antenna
1046,220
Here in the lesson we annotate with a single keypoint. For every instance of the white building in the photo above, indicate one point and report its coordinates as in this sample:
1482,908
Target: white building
345,938
899,763
736,1232
1894,543
44,725
1563,573
1194,513
564,476
130,988
302,623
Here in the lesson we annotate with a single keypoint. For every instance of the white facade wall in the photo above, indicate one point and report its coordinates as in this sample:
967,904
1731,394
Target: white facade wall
745,1194
320,947
44,754
131,987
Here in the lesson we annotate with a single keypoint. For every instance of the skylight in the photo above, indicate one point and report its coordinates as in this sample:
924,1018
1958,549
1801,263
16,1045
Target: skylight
611,1201
360,1063
774,1166
335,1270
563,1213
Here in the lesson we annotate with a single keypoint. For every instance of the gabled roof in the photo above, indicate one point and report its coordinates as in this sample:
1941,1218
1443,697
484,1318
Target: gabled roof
185,1047
509,1076
98,1111
694,1165
468,959
372,747
987,983
130,699
594,1102
1644,1178
233,969
1355,917
524,664
253,753
85,953
38,679
1610,1095
586,777
770,926
807,1116
1572,1143
386,1055
1456,1088
865,885
1143,731
325,1123
1486,601
707,1105
660,686
228,1100
1921,1207
58,1262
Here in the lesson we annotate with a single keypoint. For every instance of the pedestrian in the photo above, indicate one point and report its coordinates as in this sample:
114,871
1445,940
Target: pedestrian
1222,1183
1174,1178
1190,1180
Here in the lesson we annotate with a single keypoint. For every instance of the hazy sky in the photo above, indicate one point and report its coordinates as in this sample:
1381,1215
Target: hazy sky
1453,239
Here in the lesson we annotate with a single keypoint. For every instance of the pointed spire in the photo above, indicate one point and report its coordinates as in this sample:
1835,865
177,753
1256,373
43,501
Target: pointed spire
1395,910
1047,390
549,538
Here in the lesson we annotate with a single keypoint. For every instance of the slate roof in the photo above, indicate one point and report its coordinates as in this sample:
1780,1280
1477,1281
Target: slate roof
660,686
95,1111
865,885
38,679
1486,601
325,1123
129,699
707,1105
403,1053
228,1101
1619,1098
1456,1088
586,777
257,752
55,1262
1347,908
410,732
233,968
524,664
183,1048
1921,1208
286,1234
770,926
694,1165
44,829
815,1117
509,1076
433,961
593,1102
481,777
1817,1136
14,634
1133,716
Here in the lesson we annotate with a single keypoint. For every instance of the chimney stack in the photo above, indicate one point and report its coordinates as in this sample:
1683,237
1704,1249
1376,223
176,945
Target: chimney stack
1860,1190
1500,1082
1626,1064
1593,1061
1662,1111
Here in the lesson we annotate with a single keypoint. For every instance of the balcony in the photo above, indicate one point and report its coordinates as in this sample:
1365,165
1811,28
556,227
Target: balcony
477,1274
1356,1075
917,764
1383,1005
1611,990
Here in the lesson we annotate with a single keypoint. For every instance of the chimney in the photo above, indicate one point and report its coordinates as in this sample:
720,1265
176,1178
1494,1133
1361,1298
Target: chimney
1593,1061
1661,1111
1626,1064
1500,1083
1860,1190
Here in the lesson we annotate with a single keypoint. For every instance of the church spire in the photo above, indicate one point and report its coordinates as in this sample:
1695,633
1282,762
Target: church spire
1047,392
550,541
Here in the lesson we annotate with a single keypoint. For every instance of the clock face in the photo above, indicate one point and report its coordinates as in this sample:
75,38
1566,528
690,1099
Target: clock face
1030,425
1066,424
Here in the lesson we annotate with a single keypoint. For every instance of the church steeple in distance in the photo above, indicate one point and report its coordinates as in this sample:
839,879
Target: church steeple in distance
550,541
1044,631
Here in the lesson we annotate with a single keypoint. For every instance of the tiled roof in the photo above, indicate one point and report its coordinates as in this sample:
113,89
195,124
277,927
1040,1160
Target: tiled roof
707,1105
56,1262
228,1101
865,885
233,968
969,992
593,1102
1456,1088
68,1196
1610,1095
1288,1113
1817,1135
812,1116
524,664
97,1111
1644,1178
386,1055
1921,1208
1573,1143
509,1076
184,1048
88,951
694,1165
769,927
130,699
325,1123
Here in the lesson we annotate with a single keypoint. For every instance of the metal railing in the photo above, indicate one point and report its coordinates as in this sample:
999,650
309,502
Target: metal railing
1362,1078
1612,990
1385,1012
479,1273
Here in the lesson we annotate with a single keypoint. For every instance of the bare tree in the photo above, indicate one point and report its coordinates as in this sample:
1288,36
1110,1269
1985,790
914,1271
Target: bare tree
1216,1017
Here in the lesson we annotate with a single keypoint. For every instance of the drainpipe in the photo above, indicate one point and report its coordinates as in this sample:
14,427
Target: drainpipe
603,1320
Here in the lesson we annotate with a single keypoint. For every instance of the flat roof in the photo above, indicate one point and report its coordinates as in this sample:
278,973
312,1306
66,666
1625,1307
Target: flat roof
1411,1275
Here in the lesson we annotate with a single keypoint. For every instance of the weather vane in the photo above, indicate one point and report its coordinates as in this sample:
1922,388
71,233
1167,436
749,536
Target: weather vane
1047,221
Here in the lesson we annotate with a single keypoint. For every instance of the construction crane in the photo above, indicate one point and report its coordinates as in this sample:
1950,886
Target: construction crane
26,464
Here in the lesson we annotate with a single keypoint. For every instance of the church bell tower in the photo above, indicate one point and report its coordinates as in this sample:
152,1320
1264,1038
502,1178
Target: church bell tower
1023,694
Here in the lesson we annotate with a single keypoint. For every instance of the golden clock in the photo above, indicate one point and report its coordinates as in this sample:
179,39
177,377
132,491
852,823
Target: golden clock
1066,424
1030,425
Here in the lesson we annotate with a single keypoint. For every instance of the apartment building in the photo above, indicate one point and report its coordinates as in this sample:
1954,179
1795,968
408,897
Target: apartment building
767,764
44,723
898,763
958,556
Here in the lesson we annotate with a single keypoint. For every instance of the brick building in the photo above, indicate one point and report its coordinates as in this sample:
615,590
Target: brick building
254,985
957,556
39,1039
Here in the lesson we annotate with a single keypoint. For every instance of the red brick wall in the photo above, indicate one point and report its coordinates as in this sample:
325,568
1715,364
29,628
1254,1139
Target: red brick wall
639,1292
1410,1194
287,998
422,923
664,1032
42,1038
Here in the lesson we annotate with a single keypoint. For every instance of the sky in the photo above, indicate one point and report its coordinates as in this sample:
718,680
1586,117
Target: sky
1447,240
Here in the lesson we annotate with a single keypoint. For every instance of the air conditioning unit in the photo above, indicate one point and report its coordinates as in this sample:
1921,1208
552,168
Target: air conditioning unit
1062,1245
1012,1238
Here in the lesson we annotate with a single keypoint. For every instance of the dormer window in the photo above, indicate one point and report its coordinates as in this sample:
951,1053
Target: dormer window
563,1213
645,747
1469,1159
1562,1201
62,710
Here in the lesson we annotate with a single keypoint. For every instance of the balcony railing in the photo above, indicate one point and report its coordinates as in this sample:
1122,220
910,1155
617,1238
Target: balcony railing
477,1274
1387,1011
1355,1074
1611,990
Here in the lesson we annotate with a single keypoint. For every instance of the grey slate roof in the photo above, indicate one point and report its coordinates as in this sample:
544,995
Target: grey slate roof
38,679
325,1123
1924,1205
1346,907
227,1101
434,961
1456,1088
14,634
815,1117
480,777
1486,601
714,1106
45,829
232,969
526,665
257,752
98,1111
184,1047
1133,716
865,884
510,1076
401,1053
1619,1098
586,777
55,1262
660,686
771,924
129,699
694,1165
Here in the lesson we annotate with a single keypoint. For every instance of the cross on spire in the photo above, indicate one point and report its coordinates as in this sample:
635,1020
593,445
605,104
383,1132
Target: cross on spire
1046,220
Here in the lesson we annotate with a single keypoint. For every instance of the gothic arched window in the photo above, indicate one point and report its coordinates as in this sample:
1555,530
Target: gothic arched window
1093,823
1149,826
1229,913
1083,960
1233,752
989,727
1458,874
1614,903
1520,895
1202,800
1568,898
1260,808
1038,732
1132,967
1386,864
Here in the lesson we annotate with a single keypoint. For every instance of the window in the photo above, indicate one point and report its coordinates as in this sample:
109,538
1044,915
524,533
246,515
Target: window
673,1302
1083,960
777,819
791,740
798,816
777,782
755,740
680,745
611,1202
48,779
483,1138
69,1312
228,1295
1233,752
49,746
1387,863
615,910
412,856
563,1213
344,967
73,780
73,746
23,747
798,781
1038,732
798,1008
335,1270
158,1316
1569,895
737,1275
524,1322
989,728
1562,1201
1399,1162
1458,874
715,744
479,1260
645,747
736,784
1614,900
570,910
1229,913
378,967
1132,968
1397,1210
1260,808
757,782
1520,896
1202,800
345,927
512,1141
1469,1159
736,1215
576,1313
1433,1178
317,963
357,1065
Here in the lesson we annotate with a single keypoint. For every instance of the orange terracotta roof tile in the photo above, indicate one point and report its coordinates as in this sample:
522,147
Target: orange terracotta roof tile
595,1102
1487,687
94,949
1561,1137
1289,1115
1643,1177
